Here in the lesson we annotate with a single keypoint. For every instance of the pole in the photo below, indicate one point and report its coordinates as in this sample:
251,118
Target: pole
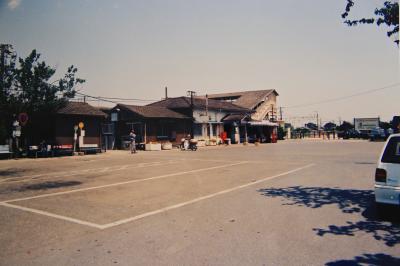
166,92
280,113
145,133
192,94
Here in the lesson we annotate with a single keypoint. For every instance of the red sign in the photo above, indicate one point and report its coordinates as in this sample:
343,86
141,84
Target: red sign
23,118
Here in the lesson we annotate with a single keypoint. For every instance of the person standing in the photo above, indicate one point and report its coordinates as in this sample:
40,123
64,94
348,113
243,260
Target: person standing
132,137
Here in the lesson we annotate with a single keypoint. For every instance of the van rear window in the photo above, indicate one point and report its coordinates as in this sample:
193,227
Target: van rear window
392,151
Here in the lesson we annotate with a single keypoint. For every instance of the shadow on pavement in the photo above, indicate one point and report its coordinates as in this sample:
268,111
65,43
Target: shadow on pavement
386,230
10,172
50,185
367,259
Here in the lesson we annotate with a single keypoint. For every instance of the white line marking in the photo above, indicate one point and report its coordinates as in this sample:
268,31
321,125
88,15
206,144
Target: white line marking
147,214
123,183
78,172
140,216
61,217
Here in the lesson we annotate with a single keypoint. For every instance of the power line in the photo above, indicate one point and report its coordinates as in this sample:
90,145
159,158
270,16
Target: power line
111,99
344,97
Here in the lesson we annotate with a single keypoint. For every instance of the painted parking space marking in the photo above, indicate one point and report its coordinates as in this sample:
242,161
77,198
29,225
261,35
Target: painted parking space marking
15,179
124,182
11,180
176,206
147,214
49,214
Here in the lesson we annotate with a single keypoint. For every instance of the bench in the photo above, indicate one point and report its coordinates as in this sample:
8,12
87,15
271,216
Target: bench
63,150
5,150
90,148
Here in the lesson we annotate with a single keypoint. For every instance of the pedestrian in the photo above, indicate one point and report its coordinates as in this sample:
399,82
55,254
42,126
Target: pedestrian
132,137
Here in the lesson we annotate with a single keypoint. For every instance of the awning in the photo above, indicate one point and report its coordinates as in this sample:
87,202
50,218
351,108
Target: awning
263,123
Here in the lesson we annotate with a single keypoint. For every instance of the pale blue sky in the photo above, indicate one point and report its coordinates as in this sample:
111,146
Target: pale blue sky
134,49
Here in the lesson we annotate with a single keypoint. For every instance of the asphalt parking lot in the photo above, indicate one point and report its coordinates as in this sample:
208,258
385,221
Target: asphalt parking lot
291,203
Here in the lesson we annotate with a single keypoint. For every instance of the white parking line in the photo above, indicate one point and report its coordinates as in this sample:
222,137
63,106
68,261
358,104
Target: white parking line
140,216
147,214
123,183
49,214
78,172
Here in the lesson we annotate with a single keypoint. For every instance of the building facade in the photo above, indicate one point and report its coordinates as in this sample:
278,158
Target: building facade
258,125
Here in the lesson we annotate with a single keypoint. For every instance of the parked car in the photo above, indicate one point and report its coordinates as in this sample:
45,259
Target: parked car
349,134
377,134
387,174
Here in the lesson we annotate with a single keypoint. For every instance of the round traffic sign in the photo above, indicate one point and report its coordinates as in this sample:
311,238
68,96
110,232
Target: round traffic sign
81,125
23,118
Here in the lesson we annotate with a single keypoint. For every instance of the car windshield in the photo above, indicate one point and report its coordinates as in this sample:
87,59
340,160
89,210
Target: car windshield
392,151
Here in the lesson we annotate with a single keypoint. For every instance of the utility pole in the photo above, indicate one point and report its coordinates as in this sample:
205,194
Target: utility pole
192,94
280,113
166,92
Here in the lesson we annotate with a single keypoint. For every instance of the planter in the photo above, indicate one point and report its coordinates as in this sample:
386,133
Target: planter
153,147
201,143
166,146
245,143
256,143
211,142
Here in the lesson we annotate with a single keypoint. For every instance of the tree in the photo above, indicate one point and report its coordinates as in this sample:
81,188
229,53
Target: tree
26,87
329,126
7,72
385,125
311,126
386,15
345,126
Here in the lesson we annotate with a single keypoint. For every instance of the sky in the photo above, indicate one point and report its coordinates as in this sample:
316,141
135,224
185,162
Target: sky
133,49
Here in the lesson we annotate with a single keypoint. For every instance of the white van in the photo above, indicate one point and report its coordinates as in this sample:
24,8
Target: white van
387,175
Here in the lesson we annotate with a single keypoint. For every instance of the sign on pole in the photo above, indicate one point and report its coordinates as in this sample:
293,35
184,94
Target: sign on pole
23,118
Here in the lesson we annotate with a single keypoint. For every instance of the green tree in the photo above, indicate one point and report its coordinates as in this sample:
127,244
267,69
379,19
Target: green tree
387,15
27,87
345,126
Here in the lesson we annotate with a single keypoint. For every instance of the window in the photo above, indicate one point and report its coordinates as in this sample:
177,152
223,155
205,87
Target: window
392,151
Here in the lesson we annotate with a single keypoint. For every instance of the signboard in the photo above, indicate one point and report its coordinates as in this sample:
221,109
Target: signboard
16,129
366,123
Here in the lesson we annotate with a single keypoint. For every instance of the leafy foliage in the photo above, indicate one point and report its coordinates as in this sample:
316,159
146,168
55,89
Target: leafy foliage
26,87
345,126
387,15
329,126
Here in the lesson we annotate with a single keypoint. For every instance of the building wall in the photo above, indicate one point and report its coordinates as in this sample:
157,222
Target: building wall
206,123
265,108
64,129
201,116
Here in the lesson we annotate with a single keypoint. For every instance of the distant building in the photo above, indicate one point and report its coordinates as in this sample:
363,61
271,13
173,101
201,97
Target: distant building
150,123
208,114
365,125
260,123
70,116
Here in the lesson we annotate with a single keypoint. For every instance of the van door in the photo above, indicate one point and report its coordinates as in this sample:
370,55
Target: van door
390,161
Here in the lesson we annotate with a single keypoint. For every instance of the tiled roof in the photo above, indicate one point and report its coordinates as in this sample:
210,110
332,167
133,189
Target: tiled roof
198,102
80,108
246,99
234,117
152,111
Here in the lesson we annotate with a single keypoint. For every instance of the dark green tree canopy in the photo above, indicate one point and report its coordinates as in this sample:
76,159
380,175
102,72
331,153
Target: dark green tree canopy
345,126
26,86
387,15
